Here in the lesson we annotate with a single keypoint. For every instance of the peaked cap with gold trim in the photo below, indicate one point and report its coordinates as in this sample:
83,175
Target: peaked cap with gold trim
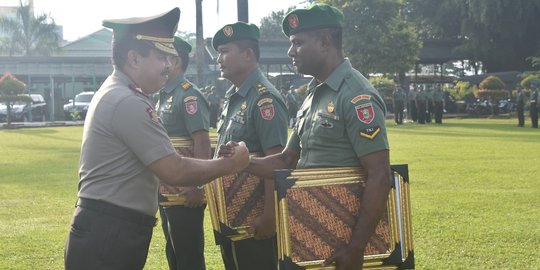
158,30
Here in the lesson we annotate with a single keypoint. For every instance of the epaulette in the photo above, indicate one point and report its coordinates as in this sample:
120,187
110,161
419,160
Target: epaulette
185,85
261,88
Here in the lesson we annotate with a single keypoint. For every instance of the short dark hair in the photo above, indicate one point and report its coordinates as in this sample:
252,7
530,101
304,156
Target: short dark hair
336,36
249,44
121,47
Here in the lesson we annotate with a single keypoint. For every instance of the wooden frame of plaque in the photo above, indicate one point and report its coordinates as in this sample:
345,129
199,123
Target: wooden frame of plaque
316,210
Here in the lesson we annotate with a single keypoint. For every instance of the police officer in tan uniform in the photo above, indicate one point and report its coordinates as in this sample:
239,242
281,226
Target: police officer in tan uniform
124,147
341,122
184,112
255,113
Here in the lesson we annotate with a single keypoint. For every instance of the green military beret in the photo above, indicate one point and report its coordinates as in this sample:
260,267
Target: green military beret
181,46
235,31
315,17
158,30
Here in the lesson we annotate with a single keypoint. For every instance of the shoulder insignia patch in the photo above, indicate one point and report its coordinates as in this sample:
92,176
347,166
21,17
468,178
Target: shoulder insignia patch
261,88
153,115
365,113
370,133
189,98
185,85
360,97
191,107
267,112
263,101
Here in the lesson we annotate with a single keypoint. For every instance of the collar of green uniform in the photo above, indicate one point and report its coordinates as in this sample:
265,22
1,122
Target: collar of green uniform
335,79
171,85
251,80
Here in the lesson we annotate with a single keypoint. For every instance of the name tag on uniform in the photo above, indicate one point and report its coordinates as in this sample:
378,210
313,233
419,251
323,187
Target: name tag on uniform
328,115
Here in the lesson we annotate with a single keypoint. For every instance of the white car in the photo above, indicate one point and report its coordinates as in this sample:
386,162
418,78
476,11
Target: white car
76,109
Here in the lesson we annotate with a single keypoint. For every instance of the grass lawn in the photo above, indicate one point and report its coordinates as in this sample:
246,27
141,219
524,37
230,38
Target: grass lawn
475,195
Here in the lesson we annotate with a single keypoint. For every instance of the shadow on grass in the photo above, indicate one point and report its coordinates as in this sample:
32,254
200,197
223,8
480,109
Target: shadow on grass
43,133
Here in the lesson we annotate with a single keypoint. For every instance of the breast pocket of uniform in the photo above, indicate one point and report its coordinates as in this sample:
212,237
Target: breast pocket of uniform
328,125
236,128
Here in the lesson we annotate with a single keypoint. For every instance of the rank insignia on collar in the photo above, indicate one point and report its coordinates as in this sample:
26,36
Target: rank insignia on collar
168,103
365,113
185,85
191,107
267,112
263,101
360,97
330,107
243,106
370,133
153,115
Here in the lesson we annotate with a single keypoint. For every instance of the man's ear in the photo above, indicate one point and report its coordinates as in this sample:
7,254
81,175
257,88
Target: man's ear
133,59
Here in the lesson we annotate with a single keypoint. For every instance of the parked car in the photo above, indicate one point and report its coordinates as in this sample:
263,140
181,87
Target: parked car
76,109
20,110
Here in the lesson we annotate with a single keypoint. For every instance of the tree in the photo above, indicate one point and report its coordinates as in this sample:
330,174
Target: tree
10,91
271,25
502,34
29,35
376,38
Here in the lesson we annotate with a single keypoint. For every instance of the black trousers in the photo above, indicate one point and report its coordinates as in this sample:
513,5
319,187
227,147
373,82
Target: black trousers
398,112
250,254
184,233
438,112
214,111
534,115
412,110
521,115
421,112
429,111
107,237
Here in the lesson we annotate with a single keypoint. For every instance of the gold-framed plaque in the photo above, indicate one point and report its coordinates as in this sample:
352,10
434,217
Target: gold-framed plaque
170,195
234,202
316,210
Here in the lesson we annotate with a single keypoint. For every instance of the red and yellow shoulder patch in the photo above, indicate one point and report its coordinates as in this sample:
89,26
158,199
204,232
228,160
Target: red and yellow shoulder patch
360,97
365,113
263,101
190,98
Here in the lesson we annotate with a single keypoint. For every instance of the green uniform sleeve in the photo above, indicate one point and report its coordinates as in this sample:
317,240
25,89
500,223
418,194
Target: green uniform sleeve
365,125
271,119
195,111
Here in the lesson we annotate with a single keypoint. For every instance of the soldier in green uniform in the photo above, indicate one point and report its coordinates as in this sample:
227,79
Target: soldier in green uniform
255,113
214,100
399,104
340,123
428,94
413,111
293,101
421,106
125,146
184,112
533,103
520,102
438,103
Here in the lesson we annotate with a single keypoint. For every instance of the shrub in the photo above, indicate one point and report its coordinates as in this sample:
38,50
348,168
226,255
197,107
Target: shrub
492,87
384,85
526,82
461,89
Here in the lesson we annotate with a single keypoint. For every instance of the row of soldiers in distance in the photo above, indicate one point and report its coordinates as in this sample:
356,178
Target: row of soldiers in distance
423,104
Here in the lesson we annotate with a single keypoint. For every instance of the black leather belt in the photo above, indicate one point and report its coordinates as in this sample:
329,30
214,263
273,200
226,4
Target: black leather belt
117,211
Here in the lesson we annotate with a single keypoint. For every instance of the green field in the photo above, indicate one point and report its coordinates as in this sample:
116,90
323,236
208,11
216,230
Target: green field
475,195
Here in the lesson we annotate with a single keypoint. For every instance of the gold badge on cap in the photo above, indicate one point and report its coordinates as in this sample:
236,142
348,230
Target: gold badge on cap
293,21
330,107
228,31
